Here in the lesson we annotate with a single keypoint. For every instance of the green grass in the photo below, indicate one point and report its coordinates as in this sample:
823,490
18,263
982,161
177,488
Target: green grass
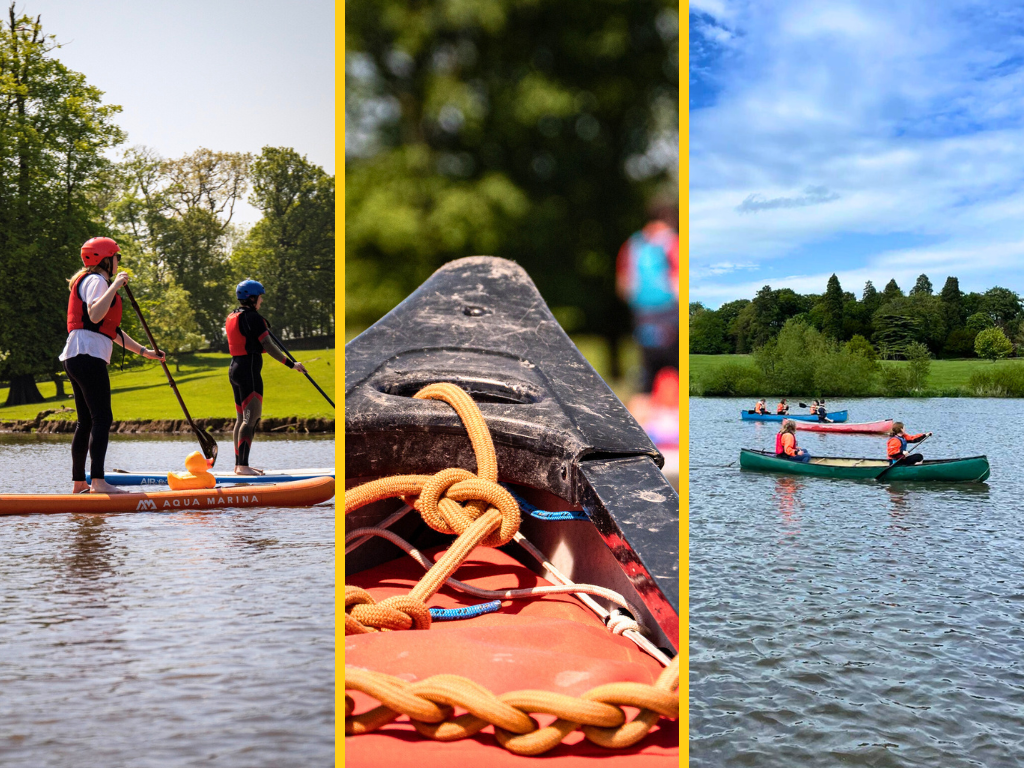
143,393
944,377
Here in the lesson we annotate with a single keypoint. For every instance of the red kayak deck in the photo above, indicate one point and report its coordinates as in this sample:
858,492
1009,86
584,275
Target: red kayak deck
863,428
551,643
300,493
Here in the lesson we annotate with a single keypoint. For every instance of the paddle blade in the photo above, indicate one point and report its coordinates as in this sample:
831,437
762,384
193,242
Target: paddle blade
209,445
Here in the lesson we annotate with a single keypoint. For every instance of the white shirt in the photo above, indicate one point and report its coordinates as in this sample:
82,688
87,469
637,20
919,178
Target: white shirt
81,341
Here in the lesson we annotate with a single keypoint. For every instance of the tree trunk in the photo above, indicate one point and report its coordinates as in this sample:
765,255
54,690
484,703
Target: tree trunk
614,356
23,390
58,381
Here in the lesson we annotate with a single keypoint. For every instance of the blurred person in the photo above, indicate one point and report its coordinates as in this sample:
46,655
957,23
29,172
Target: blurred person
647,278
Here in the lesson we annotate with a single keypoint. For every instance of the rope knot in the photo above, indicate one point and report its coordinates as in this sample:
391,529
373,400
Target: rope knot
363,614
453,498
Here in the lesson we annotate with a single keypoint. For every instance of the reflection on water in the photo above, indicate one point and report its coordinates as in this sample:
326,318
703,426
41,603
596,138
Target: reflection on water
856,623
164,639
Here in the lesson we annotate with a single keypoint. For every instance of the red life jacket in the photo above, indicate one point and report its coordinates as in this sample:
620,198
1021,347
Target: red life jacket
238,343
78,314
779,450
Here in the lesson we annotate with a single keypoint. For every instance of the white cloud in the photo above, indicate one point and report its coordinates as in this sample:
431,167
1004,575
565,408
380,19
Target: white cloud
850,120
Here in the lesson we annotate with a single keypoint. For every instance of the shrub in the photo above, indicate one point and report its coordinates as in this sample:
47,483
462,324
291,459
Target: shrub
730,379
920,364
992,344
842,373
1005,381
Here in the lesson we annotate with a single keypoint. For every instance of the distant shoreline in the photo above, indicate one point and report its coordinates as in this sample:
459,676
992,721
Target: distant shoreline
282,425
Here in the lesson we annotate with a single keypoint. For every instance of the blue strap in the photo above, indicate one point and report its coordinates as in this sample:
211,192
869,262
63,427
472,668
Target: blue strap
467,612
540,514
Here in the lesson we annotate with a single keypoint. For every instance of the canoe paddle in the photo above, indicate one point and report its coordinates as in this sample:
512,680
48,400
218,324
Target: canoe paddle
881,474
206,440
292,358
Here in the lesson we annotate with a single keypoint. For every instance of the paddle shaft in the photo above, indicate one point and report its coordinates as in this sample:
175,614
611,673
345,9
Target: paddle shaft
898,463
304,373
206,441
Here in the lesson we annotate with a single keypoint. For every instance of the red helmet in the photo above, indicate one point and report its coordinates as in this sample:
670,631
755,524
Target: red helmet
97,249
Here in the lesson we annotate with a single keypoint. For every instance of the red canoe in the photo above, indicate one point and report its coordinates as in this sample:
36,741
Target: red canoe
866,428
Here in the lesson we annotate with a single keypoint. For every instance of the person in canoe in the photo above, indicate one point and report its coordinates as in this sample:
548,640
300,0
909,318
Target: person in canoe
818,409
785,444
248,334
782,408
94,326
896,447
761,407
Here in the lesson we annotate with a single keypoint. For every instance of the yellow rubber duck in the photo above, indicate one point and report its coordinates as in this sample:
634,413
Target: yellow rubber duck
196,476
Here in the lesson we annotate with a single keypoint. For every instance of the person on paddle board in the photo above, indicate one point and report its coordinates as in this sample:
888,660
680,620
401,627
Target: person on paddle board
782,408
785,444
896,447
248,334
94,326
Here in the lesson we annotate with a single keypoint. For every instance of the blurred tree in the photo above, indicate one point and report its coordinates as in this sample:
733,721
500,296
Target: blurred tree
532,131
892,291
54,131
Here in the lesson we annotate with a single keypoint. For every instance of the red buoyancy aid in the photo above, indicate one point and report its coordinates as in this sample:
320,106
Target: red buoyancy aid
238,343
779,448
78,314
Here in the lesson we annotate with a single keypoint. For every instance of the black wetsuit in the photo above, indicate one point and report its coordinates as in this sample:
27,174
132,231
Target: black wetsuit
248,335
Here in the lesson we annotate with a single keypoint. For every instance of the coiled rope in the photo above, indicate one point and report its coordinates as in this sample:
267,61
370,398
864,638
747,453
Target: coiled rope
479,512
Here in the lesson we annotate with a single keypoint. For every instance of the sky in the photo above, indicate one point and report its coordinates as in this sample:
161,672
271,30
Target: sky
875,140
228,75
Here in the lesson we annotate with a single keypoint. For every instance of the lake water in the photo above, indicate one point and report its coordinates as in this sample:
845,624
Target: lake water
852,623
165,639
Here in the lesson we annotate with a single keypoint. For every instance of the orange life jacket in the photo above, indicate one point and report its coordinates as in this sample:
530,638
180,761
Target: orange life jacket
896,447
780,408
759,408
785,443
78,314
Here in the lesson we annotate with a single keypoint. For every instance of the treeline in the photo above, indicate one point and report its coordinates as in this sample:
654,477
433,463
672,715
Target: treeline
61,183
802,361
950,323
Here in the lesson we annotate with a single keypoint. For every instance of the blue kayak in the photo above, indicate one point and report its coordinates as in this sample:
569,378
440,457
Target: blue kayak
836,416
121,477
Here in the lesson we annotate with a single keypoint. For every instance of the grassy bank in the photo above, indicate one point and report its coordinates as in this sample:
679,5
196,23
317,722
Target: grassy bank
143,393
946,378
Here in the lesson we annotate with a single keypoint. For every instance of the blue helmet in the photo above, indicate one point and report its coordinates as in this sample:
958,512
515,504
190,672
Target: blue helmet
247,289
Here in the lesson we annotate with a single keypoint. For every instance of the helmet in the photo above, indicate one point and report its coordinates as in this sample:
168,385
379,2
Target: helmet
247,289
97,249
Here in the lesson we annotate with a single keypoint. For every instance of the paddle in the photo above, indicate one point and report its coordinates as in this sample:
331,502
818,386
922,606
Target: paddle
881,474
290,357
206,440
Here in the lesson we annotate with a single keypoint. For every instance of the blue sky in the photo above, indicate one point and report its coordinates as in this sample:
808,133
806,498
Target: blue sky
876,140
230,75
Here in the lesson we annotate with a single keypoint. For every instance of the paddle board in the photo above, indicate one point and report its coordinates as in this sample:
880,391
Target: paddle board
301,493
124,477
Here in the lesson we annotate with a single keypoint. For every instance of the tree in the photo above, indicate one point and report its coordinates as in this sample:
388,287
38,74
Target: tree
978,322
291,249
952,303
1001,304
833,306
535,131
892,291
923,286
896,329
708,334
54,131
859,345
992,344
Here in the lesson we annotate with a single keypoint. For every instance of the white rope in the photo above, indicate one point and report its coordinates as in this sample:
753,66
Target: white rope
617,622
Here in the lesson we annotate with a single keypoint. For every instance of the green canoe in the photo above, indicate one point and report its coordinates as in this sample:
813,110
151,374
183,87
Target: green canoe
970,470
